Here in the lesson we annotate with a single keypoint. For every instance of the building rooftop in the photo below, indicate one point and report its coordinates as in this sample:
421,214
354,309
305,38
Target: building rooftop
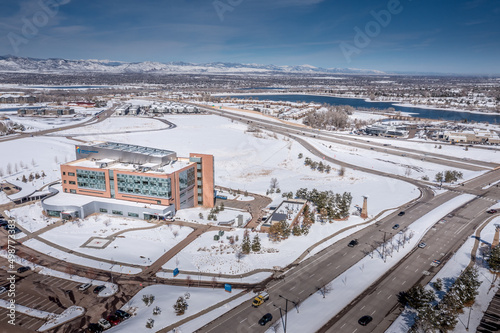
133,149
152,168
62,199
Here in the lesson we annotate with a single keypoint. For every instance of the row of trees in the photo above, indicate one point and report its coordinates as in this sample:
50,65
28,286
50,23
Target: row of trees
247,246
442,315
330,205
449,176
335,117
321,167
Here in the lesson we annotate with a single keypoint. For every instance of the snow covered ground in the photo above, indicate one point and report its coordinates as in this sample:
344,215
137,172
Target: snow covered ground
30,217
392,164
165,298
451,271
228,214
110,289
351,283
207,255
117,124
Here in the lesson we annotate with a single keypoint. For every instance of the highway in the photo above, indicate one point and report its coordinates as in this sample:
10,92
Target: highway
380,300
354,141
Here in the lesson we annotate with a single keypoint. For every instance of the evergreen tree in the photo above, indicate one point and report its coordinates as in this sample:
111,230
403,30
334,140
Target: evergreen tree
494,259
24,180
284,229
256,244
245,245
180,306
417,297
305,230
296,230
30,178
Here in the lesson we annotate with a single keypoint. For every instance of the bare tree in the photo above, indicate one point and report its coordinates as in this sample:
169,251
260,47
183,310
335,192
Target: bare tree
326,289
214,282
274,183
189,281
9,168
239,255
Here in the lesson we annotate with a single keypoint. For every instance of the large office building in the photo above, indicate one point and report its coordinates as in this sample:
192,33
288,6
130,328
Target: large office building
130,180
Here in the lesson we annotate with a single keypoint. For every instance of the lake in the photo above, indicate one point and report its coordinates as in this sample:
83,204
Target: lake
361,103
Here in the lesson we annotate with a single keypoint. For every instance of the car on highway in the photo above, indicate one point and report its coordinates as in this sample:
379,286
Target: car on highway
396,226
365,320
492,211
104,323
98,289
401,213
113,320
23,269
84,286
122,314
422,245
94,328
265,319
353,243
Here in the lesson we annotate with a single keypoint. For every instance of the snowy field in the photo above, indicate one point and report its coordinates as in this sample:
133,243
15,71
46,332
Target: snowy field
487,154
140,247
393,164
228,214
451,271
165,298
207,255
351,283
117,124
30,217
33,124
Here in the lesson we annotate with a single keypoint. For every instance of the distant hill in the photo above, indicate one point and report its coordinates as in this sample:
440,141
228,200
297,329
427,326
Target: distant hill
19,64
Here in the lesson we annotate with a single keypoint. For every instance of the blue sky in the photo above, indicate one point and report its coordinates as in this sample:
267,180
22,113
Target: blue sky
422,35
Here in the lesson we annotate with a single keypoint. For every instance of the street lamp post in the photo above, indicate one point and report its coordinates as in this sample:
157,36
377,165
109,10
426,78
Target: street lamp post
286,312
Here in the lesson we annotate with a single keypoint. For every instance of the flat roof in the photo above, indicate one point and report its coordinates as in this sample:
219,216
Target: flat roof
133,148
166,169
71,199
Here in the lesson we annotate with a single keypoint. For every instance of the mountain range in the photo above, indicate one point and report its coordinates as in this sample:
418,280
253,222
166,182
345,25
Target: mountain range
62,66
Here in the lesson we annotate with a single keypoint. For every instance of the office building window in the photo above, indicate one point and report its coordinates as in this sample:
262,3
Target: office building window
133,214
117,212
142,185
103,210
95,180
71,174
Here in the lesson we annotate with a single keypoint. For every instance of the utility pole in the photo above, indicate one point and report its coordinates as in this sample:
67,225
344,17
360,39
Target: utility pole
383,248
286,312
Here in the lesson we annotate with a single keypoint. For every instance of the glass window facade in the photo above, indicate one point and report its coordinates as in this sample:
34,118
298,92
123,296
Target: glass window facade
142,185
71,173
117,212
103,210
133,214
95,180
186,179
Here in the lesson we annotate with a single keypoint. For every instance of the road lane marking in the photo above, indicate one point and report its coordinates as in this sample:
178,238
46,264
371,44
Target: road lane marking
389,296
337,267
301,292
243,320
362,308
403,282
292,288
373,312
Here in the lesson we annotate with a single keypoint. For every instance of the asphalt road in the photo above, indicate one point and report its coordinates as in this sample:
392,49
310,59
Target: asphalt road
360,142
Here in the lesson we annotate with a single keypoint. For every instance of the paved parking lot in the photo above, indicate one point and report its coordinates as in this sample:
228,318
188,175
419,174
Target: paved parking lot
23,322
491,318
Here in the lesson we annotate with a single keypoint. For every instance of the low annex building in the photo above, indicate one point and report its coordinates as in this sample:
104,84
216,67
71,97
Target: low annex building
130,180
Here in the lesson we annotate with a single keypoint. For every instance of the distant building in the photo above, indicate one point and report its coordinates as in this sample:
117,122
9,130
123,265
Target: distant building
390,130
476,136
11,98
134,181
45,112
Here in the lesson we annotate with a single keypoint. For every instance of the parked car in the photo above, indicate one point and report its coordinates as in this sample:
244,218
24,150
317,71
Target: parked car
104,323
113,320
94,328
422,245
492,211
84,286
98,289
23,269
401,213
2,290
396,226
122,314
365,320
353,243
265,319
